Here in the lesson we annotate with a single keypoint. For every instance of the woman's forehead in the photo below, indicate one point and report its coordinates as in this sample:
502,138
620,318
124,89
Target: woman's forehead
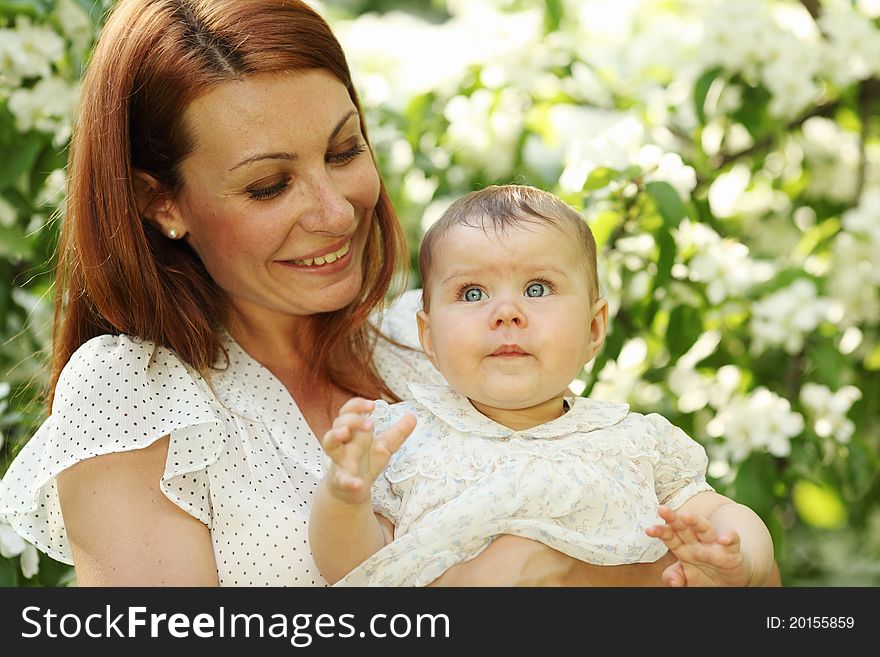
267,113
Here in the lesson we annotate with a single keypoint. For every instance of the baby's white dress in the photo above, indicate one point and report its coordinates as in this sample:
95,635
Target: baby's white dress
587,484
241,457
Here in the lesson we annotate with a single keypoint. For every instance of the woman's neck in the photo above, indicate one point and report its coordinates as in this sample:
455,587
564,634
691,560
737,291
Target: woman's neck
520,419
275,341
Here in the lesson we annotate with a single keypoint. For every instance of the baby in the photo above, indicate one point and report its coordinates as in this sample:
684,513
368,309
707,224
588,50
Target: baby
512,313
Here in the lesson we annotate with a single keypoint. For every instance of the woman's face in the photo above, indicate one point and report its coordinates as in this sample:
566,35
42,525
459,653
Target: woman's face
279,193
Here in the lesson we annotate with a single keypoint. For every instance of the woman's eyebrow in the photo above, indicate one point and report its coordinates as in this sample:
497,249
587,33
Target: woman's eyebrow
292,156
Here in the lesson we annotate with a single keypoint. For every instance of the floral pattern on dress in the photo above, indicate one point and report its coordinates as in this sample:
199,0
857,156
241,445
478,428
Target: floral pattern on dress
587,483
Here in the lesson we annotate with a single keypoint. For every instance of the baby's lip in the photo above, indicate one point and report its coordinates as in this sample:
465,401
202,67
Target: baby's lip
510,350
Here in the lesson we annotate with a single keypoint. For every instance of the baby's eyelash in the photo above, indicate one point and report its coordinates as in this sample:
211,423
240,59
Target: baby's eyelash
466,286
347,156
542,281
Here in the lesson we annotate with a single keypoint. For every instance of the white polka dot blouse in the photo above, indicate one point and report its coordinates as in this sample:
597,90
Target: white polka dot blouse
241,457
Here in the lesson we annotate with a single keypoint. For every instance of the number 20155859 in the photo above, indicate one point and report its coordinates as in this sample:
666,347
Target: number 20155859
810,623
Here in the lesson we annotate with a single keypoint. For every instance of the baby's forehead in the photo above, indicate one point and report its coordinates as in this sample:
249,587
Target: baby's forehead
512,249
510,228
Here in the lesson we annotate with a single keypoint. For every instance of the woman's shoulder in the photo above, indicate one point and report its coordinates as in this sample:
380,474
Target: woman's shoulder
118,363
109,351
398,322
116,394
398,355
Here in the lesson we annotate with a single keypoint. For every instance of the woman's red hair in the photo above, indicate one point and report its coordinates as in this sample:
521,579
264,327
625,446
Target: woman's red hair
117,273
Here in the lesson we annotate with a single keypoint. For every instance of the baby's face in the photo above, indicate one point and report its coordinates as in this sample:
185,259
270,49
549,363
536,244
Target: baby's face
511,322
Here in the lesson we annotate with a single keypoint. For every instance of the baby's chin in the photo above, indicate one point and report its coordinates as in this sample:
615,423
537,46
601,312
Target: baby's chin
514,402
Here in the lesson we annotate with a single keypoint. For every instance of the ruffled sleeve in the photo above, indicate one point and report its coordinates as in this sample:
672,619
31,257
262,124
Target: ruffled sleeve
385,501
115,394
401,365
680,471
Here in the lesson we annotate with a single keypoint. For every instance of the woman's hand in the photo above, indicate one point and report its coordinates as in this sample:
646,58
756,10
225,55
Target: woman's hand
516,561
511,561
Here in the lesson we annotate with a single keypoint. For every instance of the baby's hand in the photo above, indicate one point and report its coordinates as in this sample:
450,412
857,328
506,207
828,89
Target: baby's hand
705,558
357,458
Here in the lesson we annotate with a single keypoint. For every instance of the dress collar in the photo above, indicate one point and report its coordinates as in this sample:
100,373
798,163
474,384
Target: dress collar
457,411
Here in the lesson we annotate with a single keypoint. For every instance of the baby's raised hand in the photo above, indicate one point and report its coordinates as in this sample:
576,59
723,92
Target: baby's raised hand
357,457
705,558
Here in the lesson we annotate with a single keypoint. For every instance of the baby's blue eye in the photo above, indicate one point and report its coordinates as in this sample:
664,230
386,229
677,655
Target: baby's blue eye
537,290
473,294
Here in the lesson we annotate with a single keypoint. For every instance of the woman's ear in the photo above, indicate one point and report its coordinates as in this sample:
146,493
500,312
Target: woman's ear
156,205
424,323
598,328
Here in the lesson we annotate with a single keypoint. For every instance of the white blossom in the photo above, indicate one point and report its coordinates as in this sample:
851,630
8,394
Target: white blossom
484,128
786,315
864,219
832,158
28,51
761,421
828,409
75,24
46,107
8,214
618,379
690,387
853,49
853,280
723,265
12,545
667,167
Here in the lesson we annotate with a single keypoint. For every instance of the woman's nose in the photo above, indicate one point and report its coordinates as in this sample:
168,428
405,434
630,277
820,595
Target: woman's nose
508,313
326,208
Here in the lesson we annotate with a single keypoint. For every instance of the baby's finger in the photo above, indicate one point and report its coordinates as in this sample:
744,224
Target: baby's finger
354,421
357,405
730,539
394,437
334,438
705,531
663,532
348,482
682,527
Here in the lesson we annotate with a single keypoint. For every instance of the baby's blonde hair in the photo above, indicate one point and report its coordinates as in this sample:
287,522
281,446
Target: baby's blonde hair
500,207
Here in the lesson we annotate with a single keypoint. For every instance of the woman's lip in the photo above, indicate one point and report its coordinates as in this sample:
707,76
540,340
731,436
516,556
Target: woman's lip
319,254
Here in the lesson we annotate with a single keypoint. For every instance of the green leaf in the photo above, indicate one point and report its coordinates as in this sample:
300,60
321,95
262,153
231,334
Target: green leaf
668,203
816,236
8,572
666,257
701,90
19,154
754,483
753,113
819,506
13,244
604,225
32,8
553,15
685,326
599,178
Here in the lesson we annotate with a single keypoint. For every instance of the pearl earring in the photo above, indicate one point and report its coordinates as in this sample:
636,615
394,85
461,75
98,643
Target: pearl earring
172,233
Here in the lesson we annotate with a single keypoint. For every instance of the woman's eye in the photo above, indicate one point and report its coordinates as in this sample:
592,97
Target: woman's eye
473,294
263,193
537,290
346,156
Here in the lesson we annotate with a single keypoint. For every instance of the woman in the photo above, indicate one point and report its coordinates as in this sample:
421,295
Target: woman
226,246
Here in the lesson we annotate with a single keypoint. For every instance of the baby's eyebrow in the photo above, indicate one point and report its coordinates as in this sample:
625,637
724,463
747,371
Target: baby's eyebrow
530,271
